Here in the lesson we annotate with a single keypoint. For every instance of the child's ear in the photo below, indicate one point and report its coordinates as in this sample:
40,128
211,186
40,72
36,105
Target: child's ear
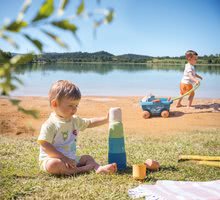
54,103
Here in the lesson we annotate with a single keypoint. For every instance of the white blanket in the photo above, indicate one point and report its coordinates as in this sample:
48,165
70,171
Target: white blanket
178,190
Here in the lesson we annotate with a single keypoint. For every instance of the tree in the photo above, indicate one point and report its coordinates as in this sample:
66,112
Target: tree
44,16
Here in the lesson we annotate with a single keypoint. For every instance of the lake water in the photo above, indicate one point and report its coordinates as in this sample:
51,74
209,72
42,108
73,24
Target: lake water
115,79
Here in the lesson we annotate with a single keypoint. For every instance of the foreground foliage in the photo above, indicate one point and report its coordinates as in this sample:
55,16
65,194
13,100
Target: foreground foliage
49,15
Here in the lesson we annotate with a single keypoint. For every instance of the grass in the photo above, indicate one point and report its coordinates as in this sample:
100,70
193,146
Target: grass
20,177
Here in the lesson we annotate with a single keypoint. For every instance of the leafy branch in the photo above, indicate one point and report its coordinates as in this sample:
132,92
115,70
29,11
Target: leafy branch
47,14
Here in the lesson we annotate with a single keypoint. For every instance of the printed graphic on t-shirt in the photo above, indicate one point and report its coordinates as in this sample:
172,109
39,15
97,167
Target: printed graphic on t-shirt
66,148
74,132
65,135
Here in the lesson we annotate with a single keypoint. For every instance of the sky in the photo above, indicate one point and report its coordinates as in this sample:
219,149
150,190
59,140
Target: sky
145,27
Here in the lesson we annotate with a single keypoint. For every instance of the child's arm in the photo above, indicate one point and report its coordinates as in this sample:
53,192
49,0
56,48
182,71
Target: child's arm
197,76
98,121
193,78
53,153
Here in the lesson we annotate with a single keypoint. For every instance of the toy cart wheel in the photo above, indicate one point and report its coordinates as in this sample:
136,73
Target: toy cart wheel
165,114
146,114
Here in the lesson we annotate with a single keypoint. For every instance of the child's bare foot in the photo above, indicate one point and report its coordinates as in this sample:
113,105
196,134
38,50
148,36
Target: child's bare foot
179,105
107,169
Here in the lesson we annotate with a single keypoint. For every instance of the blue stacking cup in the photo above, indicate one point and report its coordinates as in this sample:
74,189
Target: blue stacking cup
119,158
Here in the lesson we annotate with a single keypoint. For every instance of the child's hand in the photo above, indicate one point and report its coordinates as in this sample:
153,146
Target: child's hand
69,163
197,82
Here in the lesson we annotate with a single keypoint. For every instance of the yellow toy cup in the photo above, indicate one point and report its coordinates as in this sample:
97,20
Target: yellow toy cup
139,171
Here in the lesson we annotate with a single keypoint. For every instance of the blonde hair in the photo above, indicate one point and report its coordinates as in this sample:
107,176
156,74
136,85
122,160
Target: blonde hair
190,53
64,89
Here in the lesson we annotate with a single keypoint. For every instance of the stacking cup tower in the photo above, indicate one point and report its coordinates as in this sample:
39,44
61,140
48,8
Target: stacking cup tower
116,148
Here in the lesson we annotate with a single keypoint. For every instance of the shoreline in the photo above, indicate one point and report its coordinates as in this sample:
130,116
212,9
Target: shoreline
102,96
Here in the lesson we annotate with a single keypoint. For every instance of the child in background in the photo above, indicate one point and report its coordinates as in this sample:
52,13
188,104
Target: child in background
189,77
58,135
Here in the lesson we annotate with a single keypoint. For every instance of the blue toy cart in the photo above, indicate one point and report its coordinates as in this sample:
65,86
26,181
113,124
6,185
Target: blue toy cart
152,106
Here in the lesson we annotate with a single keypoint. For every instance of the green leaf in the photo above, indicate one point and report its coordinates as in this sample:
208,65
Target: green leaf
15,101
17,79
97,23
10,41
36,43
80,8
66,25
7,87
77,39
56,39
16,26
4,56
45,11
110,16
26,5
21,59
24,9
63,4
33,113
2,71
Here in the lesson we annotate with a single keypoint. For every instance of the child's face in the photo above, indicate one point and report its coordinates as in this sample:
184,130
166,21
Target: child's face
193,60
66,108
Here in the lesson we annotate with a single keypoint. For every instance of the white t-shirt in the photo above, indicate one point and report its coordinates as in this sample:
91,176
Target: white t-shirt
62,134
186,75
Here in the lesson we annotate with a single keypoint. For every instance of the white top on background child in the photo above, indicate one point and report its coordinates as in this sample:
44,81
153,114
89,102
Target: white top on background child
188,72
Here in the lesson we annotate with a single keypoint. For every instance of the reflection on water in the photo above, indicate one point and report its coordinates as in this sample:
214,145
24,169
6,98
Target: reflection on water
115,79
105,68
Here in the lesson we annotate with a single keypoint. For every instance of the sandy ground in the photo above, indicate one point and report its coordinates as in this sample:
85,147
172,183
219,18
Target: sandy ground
205,115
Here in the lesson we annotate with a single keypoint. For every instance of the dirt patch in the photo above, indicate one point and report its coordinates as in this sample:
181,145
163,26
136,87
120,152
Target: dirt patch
205,115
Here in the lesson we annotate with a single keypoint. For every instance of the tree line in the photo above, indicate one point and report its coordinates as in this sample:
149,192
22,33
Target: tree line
102,56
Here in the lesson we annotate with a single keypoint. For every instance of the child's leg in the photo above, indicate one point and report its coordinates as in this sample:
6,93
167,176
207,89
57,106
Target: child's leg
179,103
56,166
182,87
87,163
191,97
